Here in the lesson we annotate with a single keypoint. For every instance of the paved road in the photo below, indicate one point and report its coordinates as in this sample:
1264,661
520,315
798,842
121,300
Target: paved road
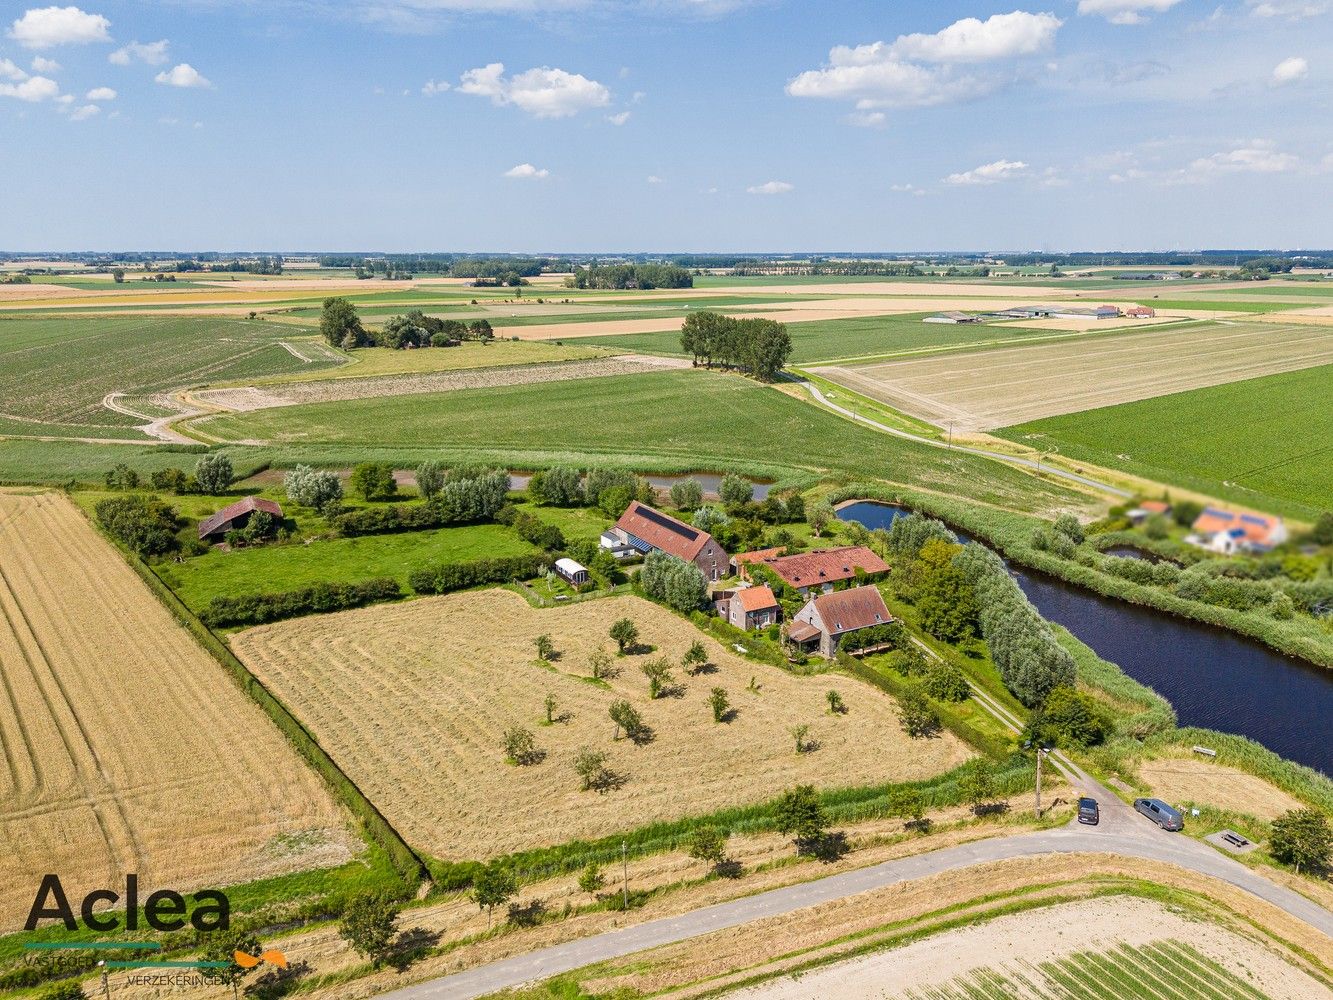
1143,841
998,456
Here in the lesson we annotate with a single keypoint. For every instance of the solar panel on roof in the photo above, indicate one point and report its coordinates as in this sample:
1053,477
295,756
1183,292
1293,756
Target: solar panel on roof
662,521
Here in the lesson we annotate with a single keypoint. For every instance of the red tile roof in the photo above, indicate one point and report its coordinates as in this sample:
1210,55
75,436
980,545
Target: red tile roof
756,598
663,531
848,610
232,511
1155,506
810,569
1256,527
758,555
800,631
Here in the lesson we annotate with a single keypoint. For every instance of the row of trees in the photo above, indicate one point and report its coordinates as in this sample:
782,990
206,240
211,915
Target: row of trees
674,582
622,276
758,347
340,324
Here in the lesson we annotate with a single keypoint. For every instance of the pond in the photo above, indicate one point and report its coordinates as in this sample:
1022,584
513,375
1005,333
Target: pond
1214,678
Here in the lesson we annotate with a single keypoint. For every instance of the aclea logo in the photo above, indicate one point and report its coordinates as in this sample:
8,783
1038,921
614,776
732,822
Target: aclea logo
163,910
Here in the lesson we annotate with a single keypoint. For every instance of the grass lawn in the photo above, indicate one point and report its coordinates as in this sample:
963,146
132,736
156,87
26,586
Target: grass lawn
661,421
827,340
574,522
273,568
1227,305
1267,441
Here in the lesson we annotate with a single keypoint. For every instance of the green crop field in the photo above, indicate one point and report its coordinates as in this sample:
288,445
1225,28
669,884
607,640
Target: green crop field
1265,441
273,568
672,421
1226,305
862,337
57,371
1166,970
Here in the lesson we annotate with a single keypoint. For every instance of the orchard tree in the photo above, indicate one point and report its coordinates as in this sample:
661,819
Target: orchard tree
720,704
493,886
800,815
626,635
591,879
368,925
695,657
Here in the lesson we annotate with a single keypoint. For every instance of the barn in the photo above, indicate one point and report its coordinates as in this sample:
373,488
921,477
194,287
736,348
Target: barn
235,516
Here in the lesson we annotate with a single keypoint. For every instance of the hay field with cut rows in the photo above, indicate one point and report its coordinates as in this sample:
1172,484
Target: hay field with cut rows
125,747
413,700
980,391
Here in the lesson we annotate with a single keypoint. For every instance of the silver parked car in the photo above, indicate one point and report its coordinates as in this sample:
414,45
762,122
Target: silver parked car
1161,813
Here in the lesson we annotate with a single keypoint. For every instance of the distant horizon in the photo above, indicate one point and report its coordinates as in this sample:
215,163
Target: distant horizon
756,254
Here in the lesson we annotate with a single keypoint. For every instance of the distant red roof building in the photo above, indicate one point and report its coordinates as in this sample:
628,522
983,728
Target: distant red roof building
1225,532
1140,312
646,529
753,607
236,515
822,568
1155,506
741,560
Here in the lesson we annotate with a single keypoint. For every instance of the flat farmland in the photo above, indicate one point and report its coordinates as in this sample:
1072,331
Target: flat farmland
126,748
413,701
1001,387
56,372
1264,441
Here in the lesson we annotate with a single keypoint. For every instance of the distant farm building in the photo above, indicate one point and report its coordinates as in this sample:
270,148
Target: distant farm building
821,569
953,317
1228,533
1086,312
235,516
1147,509
1140,312
643,529
749,607
574,573
825,619
1026,312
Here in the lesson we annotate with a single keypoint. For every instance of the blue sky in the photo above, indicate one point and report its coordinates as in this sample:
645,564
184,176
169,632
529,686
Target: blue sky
578,125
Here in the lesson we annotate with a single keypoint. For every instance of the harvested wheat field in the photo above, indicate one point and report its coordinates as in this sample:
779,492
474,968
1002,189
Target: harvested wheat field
981,390
413,701
126,748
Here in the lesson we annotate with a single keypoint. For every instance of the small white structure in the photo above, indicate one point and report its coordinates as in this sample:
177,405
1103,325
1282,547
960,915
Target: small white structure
618,546
953,317
576,574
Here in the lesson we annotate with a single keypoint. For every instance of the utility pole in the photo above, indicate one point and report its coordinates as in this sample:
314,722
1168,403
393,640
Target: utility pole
624,865
1040,755
106,982
950,433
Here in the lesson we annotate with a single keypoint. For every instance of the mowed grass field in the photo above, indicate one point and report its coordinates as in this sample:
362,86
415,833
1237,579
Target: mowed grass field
1006,386
54,373
126,748
1266,440
662,421
827,340
275,568
413,701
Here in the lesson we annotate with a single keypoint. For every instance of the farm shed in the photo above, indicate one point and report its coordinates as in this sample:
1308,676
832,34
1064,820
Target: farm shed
645,529
953,317
827,618
1140,312
575,573
235,516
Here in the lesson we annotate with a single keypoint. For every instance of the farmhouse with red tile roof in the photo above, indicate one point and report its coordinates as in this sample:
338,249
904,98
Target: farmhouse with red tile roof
644,529
822,568
827,618
1225,532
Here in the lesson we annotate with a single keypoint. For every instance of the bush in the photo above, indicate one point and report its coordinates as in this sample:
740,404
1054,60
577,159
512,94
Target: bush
459,501
558,487
256,609
946,682
536,531
143,524
687,494
214,473
373,480
673,582
170,481
314,488
1302,838
121,477
456,576
1069,718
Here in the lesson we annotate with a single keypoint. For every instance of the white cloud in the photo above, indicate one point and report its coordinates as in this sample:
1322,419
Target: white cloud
543,91
182,75
920,70
434,87
41,64
45,27
989,173
100,94
1293,10
619,118
87,111
152,53
867,119
1257,157
771,187
9,71
1000,36
33,89
1124,11
911,189
1290,70
527,172
654,179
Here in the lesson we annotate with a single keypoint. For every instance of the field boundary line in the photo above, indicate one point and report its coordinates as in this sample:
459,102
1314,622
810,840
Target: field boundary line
406,862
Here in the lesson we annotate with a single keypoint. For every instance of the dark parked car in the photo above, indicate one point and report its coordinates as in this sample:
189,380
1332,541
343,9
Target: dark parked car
1088,812
1160,813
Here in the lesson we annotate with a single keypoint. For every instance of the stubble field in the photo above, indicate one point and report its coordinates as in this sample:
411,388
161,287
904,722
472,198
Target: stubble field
125,747
995,388
413,701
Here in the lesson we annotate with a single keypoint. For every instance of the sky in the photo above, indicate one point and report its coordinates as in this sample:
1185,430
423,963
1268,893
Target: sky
666,125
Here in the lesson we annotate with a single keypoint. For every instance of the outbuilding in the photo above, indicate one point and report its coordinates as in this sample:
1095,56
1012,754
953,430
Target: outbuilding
825,619
235,516
574,573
